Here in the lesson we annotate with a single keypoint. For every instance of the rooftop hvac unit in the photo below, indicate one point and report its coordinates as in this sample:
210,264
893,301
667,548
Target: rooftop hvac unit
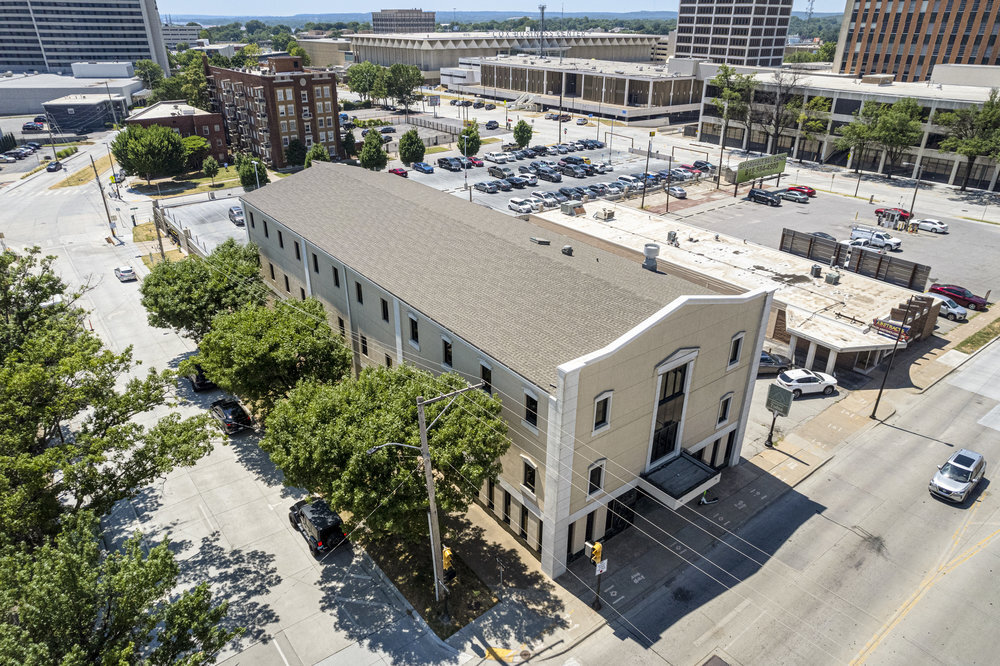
816,270
605,214
833,277
671,236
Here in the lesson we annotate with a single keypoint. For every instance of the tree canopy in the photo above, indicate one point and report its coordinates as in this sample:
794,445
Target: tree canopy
259,352
372,153
186,295
149,152
196,149
403,80
859,135
317,153
411,148
897,129
210,167
469,142
149,73
295,152
320,434
251,172
973,132
522,133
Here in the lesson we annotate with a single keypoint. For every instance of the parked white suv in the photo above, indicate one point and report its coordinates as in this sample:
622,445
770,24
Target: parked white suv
496,158
525,205
949,308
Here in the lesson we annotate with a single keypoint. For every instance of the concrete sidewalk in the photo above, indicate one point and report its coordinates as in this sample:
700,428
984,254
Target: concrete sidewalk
538,617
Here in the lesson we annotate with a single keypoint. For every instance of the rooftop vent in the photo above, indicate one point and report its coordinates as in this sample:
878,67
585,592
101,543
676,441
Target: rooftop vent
540,241
567,250
651,252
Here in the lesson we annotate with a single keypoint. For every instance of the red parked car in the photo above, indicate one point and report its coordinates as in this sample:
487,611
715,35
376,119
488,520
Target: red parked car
960,295
903,213
476,161
804,189
399,172
691,168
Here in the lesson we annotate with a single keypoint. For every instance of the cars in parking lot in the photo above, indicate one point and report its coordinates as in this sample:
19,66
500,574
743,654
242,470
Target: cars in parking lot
450,163
762,196
804,189
548,199
32,127
500,171
236,216
704,166
581,121
530,179
41,119
125,274
574,170
474,161
959,476
487,186
903,213
934,226
574,194
320,526
803,381
549,175
199,382
677,191
792,195
503,185
388,129
516,182
492,125
399,172
478,104
54,166
490,107
949,308
230,415
960,295
524,206
496,158
773,363
423,167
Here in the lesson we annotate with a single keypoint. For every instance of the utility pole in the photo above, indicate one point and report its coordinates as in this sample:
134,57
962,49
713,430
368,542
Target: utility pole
562,86
107,212
902,325
114,111
722,142
52,142
645,177
118,190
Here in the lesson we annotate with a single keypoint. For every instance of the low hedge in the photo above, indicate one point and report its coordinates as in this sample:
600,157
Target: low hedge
66,152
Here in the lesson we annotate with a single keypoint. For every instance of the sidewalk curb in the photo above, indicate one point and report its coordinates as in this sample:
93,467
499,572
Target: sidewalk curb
954,368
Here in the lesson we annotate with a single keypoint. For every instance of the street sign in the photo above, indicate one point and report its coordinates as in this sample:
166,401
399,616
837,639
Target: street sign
433,100
761,167
779,400
601,567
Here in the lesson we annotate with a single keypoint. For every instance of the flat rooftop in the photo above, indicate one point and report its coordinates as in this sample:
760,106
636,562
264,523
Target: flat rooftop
167,109
84,99
474,271
815,310
840,83
550,35
635,70
55,81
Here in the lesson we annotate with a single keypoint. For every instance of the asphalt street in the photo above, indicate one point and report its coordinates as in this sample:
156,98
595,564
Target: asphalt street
209,222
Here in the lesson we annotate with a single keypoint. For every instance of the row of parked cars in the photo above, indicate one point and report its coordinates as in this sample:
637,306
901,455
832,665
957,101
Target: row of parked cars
19,153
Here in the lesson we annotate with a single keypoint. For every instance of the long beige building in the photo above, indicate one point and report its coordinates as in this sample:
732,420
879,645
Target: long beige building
433,50
615,380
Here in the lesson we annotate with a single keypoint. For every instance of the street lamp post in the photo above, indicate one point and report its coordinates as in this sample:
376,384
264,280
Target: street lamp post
722,142
899,334
913,201
257,177
425,452
465,164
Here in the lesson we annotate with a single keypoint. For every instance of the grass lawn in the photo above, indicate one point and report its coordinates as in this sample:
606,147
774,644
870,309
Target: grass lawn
227,173
980,337
154,258
436,149
408,566
143,232
491,139
84,175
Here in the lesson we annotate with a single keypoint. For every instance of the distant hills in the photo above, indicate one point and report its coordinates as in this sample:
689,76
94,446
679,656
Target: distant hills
298,20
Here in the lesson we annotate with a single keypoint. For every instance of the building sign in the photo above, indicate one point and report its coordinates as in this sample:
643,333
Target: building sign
761,167
890,329
779,400
433,100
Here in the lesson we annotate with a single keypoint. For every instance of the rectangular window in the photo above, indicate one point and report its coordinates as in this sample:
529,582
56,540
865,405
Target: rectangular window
506,507
388,361
669,409
281,94
281,240
266,235
385,309
531,410
735,349
364,345
315,263
321,122
602,411
414,330
486,374
298,253
360,294
302,293
336,276
205,130
595,480
491,487
252,225
446,352
284,126
523,532
340,325
529,476
305,96
288,288
271,266
724,405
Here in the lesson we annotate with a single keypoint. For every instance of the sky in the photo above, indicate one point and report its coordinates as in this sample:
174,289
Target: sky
267,7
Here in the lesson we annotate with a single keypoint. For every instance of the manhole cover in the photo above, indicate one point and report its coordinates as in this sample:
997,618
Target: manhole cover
525,654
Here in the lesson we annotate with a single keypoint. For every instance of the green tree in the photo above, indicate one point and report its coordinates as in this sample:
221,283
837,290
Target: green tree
251,172
411,148
259,353
68,603
372,154
196,149
380,90
402,81
149,73
186,295
973,132
182,46
827,51
281,40
361,78
295,152
210,167
859,135
522,133
149,152
775,109
319,437
254,25
813,116
732,98
349,144
70,439
295,50
469,142
898,128
251,51
317,153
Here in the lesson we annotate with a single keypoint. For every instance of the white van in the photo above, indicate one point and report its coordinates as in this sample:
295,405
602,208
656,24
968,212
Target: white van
949,308
876,237
631,182
496,158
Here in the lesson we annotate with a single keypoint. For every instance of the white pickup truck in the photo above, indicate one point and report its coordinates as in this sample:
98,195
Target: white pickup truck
875,236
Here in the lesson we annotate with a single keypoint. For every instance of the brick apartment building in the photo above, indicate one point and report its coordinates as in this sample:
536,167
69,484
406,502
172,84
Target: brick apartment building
264,109
186,120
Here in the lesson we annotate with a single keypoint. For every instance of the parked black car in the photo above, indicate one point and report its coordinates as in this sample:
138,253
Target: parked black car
763,196
230,415
492,125
320,525
773,363
199,382
490,107
449,164
478,105
388,129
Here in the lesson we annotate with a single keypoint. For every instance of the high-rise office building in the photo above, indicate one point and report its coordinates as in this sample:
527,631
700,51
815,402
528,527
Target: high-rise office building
389,21
176,34
735,32
907,38
50,36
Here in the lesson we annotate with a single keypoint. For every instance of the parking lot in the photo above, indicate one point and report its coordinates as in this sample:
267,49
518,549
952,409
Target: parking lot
208,222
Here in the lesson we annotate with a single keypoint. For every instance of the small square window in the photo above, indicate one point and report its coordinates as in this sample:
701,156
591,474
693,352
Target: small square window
735,349
265,229
315,263
281,240
531,409
302,293
595,479
385,309
360,294
298,253
271,266
486,374
388,361
287,286
364,345
414,330
340,325
336,276
529,476
446,352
